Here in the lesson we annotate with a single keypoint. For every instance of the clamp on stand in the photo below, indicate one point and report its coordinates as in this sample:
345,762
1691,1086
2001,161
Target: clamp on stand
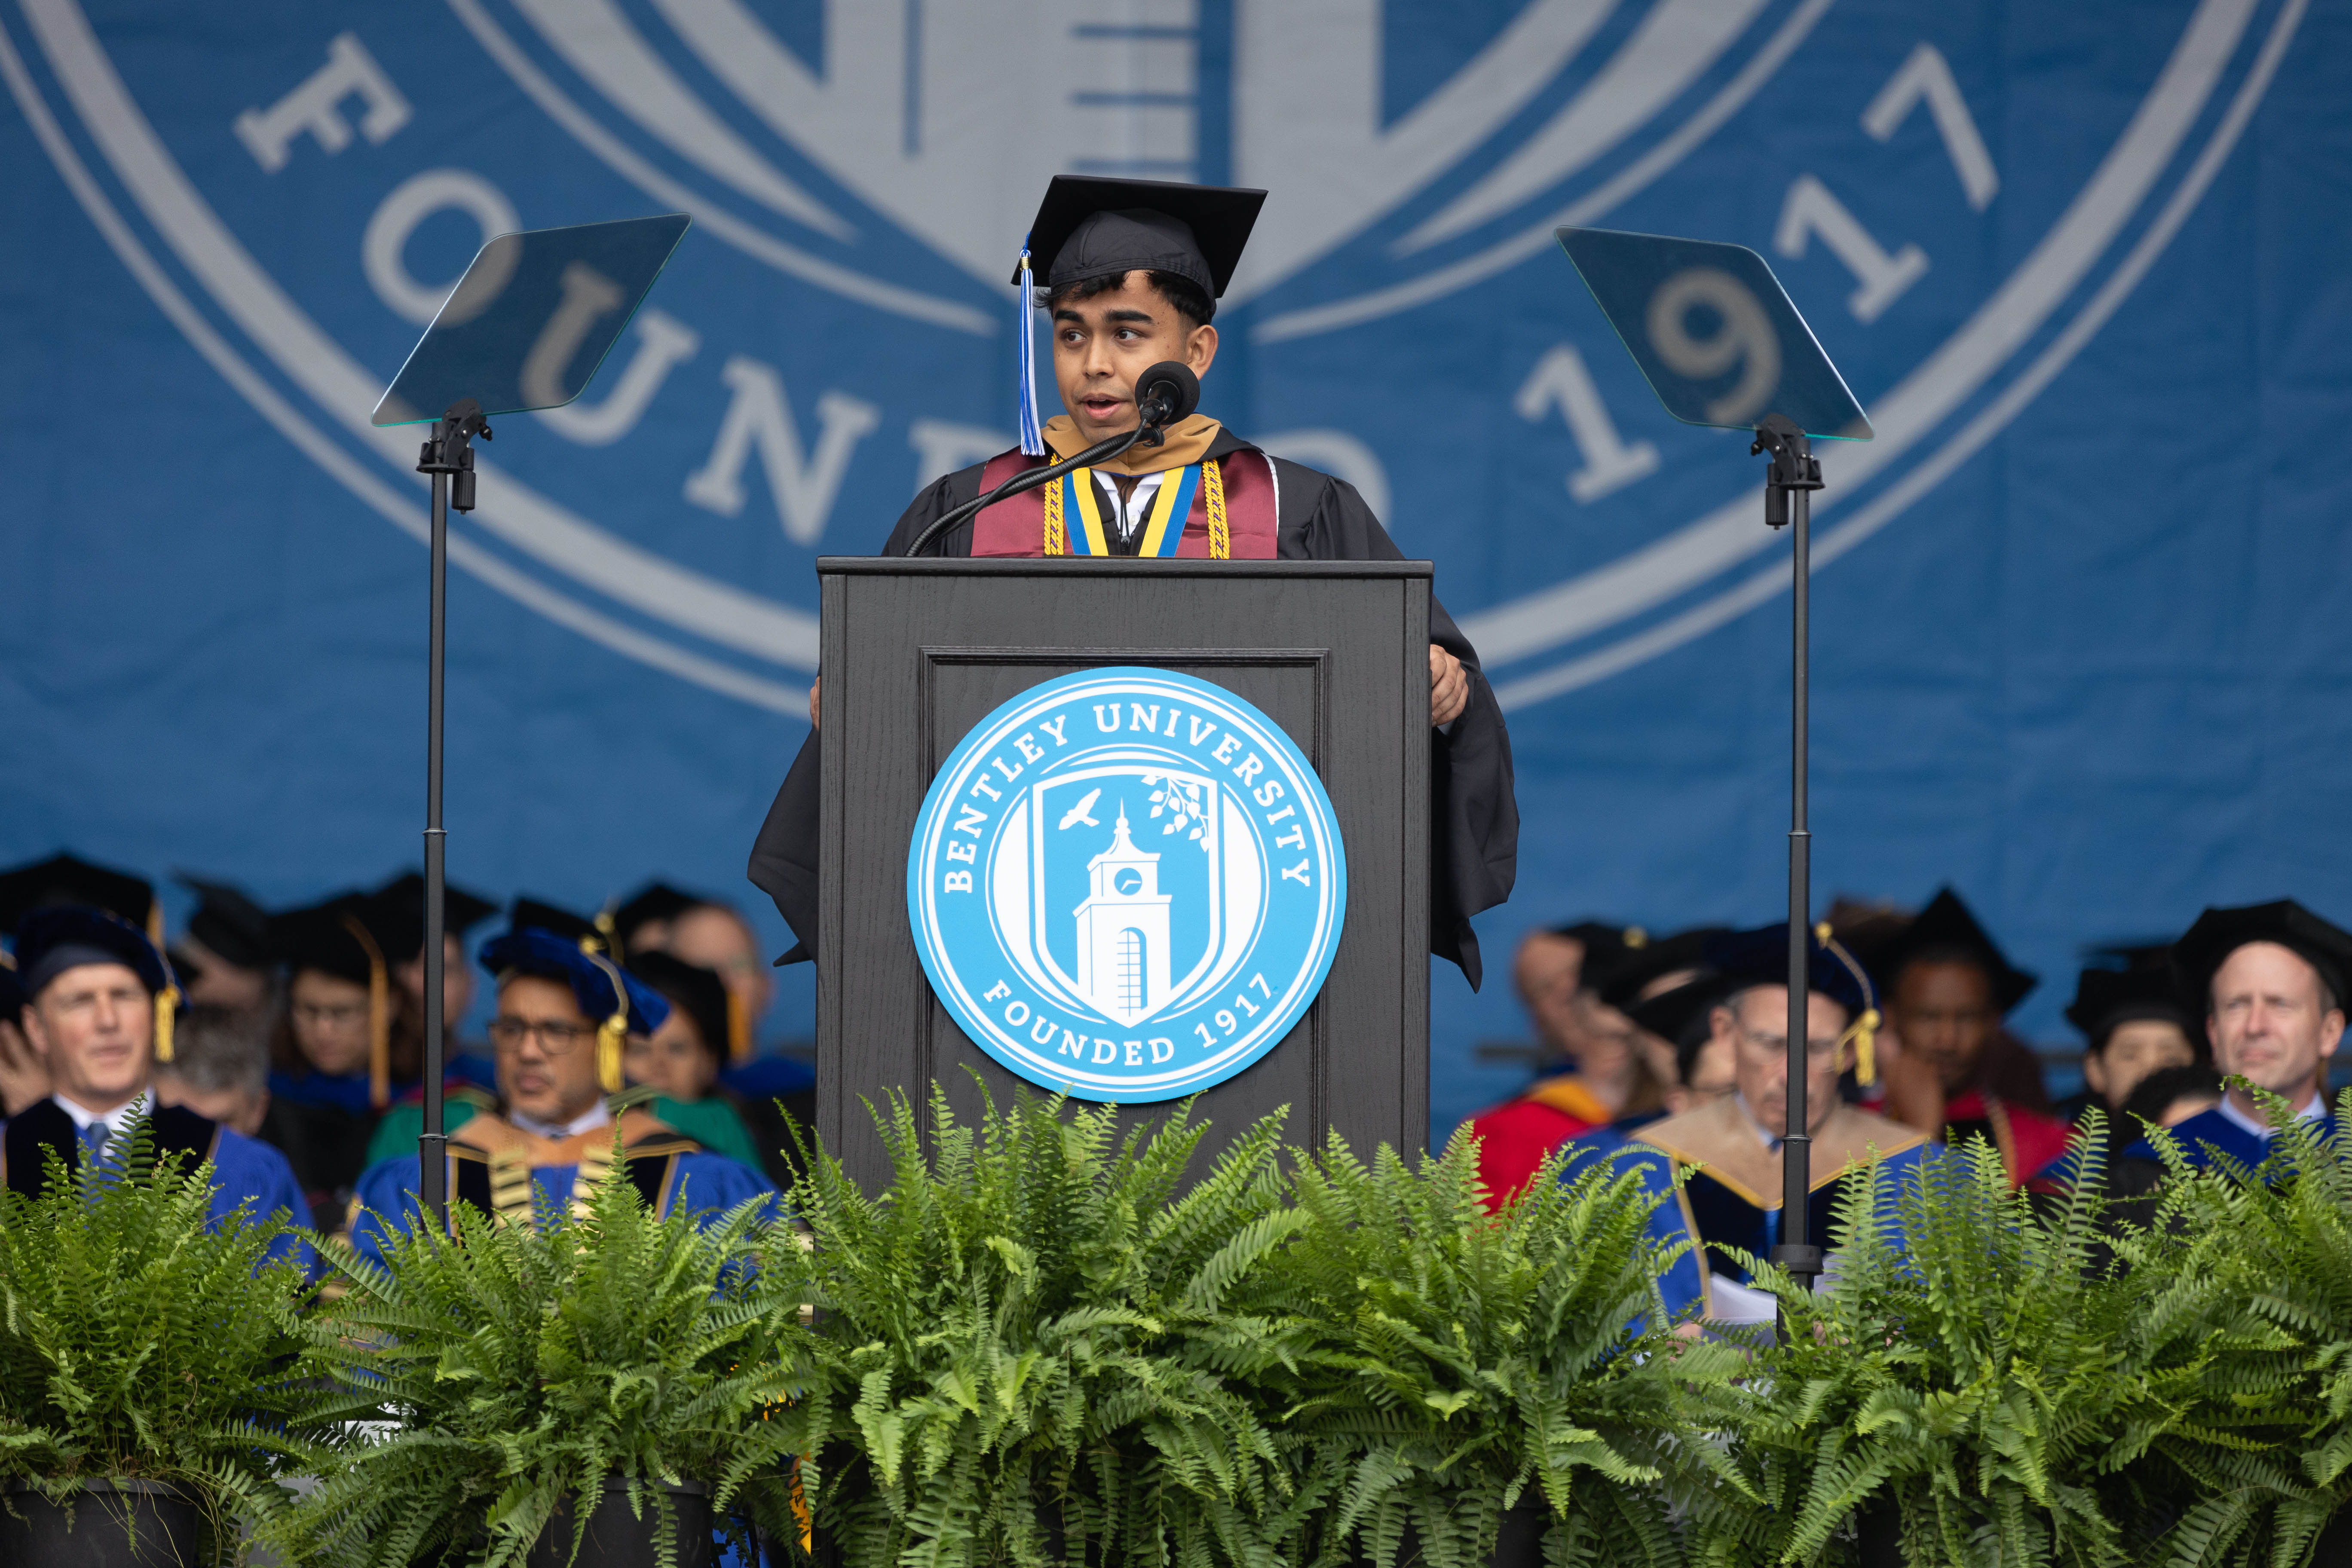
448,457
1789,485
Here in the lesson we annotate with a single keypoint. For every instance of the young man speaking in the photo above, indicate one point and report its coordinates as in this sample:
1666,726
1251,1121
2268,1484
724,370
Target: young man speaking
1133,270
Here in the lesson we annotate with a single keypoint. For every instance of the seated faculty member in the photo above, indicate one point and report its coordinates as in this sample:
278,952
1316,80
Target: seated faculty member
2273,978
1132,270
563,1017
1947,987
1728,1149
2134,1025
1576,982
219,1067
100,1004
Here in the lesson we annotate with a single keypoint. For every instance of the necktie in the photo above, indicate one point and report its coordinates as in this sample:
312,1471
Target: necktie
93,1139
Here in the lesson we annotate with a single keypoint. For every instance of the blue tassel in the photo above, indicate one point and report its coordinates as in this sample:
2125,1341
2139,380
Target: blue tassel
1032,432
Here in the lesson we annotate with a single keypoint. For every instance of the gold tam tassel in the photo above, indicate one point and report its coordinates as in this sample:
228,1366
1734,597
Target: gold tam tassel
613,1032
605,928
739,1027
379,1014
1864,1030
167,1012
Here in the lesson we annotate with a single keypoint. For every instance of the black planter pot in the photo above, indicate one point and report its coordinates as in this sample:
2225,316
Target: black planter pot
1878,1533
1519,1543
106,1524
619,1539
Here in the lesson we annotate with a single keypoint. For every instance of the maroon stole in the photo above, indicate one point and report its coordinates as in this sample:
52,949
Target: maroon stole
1016,525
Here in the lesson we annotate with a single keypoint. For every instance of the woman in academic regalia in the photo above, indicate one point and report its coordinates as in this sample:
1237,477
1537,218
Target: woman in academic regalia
347,1044
683,1057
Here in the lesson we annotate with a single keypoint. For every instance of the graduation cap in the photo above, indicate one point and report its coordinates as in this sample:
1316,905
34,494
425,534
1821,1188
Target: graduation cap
1637,965
654,902
1092,227
1679,1017
399,914
2106,999
598,935
53,938
343,936
1760,957
619,1002
226,921
1946,929
65,878
2218,934
696,992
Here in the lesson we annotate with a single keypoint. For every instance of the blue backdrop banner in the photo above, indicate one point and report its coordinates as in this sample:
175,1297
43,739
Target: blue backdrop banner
2084,609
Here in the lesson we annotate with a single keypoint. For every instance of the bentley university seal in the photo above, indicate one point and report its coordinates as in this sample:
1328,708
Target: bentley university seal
1127,883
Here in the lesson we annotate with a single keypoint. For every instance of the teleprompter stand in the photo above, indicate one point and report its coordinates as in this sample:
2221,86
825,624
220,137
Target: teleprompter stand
525,328
1720,343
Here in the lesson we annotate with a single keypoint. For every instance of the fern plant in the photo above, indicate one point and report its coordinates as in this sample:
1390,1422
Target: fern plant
2268,1457
2000,1378
137,1342
1029,1347
1439,1363
521,1365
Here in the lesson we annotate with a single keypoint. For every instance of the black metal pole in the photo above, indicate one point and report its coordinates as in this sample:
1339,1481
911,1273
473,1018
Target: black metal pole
432,1148
1797,1142
1787,499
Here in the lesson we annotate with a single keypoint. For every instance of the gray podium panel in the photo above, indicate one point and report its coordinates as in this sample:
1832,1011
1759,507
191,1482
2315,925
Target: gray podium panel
917,652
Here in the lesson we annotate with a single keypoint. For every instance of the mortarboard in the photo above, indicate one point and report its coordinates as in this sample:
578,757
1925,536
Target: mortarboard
1638,964
1679,1018
229,924
2105,999
1946,926
69,880
654,902
1760,957
343,936
52,938
399,914
2218,934
617,1001
696,992
599,935
1092,227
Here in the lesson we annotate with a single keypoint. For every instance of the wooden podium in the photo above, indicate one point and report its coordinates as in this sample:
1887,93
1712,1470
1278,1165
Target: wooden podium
917,652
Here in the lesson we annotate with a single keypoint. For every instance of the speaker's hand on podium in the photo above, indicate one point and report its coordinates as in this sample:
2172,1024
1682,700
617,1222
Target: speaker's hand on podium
1449,687
813,686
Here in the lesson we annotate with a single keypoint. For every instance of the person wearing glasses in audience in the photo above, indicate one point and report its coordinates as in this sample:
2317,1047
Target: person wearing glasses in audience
1715,1170
346,1045
565,1013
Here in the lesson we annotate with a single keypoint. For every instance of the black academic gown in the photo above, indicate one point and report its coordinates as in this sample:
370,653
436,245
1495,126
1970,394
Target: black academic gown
1474,841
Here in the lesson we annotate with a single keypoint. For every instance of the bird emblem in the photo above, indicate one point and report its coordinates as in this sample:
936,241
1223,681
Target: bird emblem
1083,811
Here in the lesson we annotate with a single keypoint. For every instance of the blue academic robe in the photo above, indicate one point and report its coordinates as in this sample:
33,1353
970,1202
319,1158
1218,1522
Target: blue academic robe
2210,1133
670,1171
1730,1194
244,1171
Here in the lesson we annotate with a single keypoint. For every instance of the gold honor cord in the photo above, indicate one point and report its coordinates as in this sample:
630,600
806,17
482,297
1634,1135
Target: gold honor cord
1212,498
1057,536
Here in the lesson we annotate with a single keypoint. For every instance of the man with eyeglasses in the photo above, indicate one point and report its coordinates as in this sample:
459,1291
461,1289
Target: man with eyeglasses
1726,1152
99,997
565,1013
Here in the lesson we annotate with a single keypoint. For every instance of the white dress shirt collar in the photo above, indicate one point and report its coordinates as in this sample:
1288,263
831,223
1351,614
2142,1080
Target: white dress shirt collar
595,1116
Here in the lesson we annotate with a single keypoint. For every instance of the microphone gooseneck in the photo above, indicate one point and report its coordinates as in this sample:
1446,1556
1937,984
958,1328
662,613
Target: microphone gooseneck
1166,394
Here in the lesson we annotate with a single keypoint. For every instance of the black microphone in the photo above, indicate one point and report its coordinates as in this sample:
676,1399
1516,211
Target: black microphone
1164,395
